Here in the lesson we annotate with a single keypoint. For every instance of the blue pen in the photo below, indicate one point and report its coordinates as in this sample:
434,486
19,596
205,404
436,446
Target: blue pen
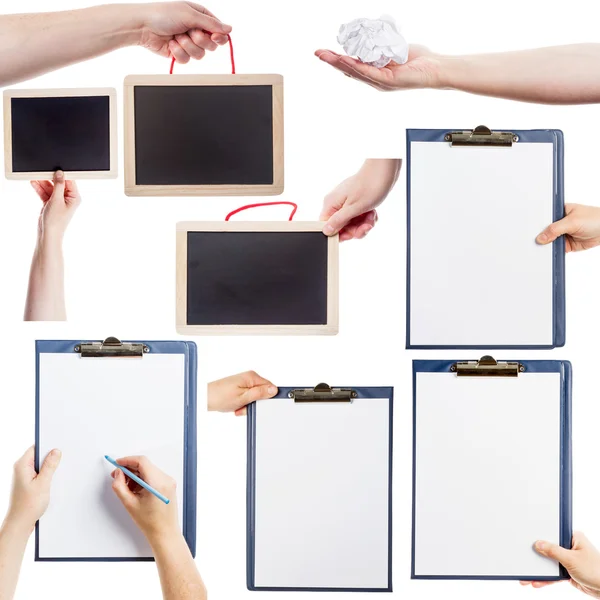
137,479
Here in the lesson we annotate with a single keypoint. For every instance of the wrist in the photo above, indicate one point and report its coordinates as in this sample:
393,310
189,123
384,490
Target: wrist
164,539
124,22
447,72
50,241
18,526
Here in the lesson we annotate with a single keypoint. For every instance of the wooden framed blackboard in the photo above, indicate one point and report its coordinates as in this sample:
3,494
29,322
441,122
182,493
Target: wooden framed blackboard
271,278
203,135
74,130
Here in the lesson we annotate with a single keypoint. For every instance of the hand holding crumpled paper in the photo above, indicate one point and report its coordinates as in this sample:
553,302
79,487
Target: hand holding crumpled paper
376,42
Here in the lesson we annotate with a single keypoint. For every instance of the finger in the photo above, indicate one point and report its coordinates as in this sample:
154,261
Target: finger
202,18
120,488
43,189
555,230
203,40
362,231
553,551
241,412
178,53
580,541
184,40
59,185
27,460
50,465
259,392
319,53
346,236
379,78
525,582
339,220
72,192
541,584
252,378
333,202
219,38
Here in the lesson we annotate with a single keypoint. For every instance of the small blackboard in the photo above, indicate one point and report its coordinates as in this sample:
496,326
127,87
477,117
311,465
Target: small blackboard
248,277
69,129
203,135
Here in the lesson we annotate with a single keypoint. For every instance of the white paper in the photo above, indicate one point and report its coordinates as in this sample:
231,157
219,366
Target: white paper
487,474
477,276
90,407
376,42
322,486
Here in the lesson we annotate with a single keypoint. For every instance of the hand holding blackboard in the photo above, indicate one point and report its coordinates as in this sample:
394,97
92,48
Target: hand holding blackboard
45,294
181,30
350,208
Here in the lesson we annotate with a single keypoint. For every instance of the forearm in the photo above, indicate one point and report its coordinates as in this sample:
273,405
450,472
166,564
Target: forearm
556,75
179,577
13,541
46,291
37,43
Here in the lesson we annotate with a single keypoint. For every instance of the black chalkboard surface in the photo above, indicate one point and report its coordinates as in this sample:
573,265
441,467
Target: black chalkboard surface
257,278
72,133
203,135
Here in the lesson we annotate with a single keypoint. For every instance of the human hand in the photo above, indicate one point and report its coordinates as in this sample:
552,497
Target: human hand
182,30
30,493
582,563
350,208
422,70
580,226
156,519
234,393
60,200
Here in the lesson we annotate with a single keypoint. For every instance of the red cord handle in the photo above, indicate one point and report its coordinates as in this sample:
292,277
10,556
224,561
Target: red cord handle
230,55
247,206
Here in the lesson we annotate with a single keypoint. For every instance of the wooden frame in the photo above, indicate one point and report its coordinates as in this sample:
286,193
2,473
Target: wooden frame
61,93
330,328
132,189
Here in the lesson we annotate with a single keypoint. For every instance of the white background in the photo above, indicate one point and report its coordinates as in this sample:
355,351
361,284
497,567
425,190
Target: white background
121,264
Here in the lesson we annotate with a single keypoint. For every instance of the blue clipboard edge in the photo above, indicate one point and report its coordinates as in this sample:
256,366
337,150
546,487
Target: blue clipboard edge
559,304
363,392
190,438
566,472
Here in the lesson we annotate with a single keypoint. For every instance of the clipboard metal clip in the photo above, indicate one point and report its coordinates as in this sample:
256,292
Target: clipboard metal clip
481,136
323,393
487,366
111,347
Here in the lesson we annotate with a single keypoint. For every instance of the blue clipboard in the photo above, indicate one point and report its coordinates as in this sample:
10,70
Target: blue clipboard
553,136
190,438
362,392
566,474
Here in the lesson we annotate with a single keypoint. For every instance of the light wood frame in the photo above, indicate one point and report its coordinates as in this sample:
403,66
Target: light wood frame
133,81
330,328
111,173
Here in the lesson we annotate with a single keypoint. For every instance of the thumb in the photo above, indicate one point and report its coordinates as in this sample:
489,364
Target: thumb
555,230
201,18
339,220
59,184
555,552
259,392
50,465
121,489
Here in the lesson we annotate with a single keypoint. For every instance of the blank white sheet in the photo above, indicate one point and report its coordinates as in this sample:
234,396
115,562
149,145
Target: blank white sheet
90,407
477,276
487,474
322,489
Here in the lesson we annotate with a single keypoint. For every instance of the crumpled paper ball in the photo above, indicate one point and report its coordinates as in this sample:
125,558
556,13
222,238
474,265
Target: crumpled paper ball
375,42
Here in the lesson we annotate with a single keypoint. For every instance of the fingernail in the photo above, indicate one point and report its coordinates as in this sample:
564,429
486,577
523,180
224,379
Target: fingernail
543,237
60,175
328,230
272,390
540,546
56,453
